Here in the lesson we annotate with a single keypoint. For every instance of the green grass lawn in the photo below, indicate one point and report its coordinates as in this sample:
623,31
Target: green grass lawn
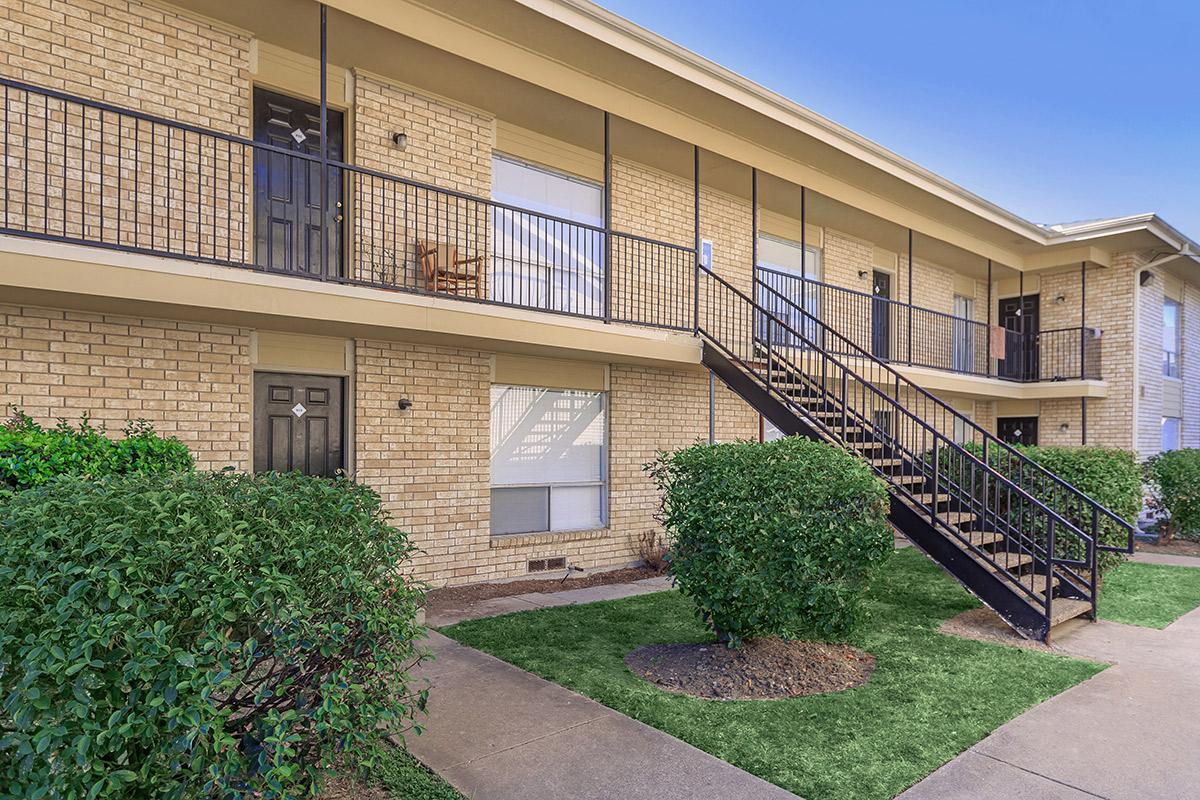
399,774
1150,595
931,696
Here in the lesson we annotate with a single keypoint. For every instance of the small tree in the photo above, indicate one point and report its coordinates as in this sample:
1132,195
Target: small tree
1174,478
780,538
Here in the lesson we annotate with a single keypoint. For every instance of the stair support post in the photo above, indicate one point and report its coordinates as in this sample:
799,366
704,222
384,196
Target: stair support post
1050,570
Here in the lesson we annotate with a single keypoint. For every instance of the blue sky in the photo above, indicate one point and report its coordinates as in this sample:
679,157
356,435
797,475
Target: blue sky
1057,110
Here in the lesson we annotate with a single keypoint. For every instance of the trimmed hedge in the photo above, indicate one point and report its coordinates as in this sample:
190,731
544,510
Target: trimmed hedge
197,635
1174,477
31,455
780,538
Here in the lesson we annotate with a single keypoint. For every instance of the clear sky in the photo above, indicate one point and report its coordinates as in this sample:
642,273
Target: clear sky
1057,110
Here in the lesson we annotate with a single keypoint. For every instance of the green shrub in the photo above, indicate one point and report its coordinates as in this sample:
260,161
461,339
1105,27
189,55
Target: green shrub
30,455
197,635
1175,479
1108,475
779,538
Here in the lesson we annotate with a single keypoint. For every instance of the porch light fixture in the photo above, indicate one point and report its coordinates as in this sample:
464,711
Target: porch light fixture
1145,277
400,139
1063,428
862,274
1062,298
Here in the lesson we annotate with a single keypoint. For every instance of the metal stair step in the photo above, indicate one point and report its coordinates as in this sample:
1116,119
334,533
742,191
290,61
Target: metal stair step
1036,582
1009,562
927,498
1065,608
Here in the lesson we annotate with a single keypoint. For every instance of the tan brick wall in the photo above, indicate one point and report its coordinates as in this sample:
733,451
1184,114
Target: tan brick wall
100,176
431,463
1149,377
449,146
1111,297
191,380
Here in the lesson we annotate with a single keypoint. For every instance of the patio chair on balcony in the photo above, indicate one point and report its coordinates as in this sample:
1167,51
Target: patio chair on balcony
447,273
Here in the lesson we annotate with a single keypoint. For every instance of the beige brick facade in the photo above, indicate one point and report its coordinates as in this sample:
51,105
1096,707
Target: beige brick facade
190,380
431,463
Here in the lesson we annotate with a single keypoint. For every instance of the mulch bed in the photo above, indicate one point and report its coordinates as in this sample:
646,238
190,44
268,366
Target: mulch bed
1178,547
453,596
761,669
338,787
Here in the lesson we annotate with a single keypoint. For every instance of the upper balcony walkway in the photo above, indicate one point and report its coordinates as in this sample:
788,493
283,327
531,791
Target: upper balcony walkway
88,173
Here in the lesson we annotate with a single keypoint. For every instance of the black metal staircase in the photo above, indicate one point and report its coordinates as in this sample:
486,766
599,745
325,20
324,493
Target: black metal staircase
1015,535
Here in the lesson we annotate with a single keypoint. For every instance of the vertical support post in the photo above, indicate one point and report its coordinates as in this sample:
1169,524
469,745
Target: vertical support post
754,224
989,318
607,218
1083,337
712,407
1022,345
324,147
910,296
803,233
696,231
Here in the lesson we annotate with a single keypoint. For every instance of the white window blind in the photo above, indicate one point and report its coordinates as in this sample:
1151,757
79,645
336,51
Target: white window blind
1172,336
1171,432
549,459
542,262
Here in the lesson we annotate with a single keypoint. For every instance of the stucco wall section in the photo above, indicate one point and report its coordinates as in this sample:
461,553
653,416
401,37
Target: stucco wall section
190,380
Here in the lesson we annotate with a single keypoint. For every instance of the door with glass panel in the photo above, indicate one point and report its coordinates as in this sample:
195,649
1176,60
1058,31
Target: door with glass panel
547,239
549,454
962,333
783,286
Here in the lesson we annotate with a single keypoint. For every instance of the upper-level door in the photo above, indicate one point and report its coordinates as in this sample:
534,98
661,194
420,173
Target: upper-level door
288,218
1021,316
963,335
881,317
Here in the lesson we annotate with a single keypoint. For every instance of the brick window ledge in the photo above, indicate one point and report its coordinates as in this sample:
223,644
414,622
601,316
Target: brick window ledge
514,540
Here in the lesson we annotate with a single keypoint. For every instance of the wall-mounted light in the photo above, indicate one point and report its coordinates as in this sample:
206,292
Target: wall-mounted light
1063,428
1062,298
405,404
400,140
1145,277
862,273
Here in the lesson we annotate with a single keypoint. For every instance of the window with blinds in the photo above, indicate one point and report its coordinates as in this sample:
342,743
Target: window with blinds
549,452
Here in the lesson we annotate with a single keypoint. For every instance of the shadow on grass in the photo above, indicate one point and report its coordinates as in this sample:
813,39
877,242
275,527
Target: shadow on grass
931,697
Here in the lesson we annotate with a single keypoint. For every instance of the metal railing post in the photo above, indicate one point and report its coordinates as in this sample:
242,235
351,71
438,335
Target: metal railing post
696,231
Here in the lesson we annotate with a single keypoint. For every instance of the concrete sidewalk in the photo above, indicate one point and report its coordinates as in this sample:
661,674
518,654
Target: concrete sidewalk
496,606
1130,733
496,732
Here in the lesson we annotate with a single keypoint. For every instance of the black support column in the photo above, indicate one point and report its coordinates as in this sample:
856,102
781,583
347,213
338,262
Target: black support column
607,218
1083,337
324,145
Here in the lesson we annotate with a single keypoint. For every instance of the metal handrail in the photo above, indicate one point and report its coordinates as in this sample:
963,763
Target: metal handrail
1047,556
1024,460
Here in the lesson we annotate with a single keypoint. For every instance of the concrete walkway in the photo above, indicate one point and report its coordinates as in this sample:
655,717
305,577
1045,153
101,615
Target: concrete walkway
527,602
1131,732
496,732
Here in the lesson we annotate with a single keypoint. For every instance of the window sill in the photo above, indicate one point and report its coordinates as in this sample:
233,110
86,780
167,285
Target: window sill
511,540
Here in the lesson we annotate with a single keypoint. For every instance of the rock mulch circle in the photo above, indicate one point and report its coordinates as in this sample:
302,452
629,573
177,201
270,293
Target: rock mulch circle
769,668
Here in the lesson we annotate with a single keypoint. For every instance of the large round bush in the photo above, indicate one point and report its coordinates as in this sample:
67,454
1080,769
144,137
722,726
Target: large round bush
196,635
779,538
1175,478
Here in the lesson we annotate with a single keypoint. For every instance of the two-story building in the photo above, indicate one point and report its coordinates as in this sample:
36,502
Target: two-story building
473,281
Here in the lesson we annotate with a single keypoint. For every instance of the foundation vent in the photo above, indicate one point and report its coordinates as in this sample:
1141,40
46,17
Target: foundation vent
547,564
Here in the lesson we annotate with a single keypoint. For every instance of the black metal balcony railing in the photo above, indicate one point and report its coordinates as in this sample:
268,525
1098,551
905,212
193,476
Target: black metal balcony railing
900,333
81,171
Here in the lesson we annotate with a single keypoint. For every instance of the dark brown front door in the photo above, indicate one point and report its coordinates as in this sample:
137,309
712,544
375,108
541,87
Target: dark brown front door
1022,316
1017,430
287,188
298,423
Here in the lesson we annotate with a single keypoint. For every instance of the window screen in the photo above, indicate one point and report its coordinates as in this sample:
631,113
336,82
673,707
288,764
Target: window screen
549,460
1171,430
1172,331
